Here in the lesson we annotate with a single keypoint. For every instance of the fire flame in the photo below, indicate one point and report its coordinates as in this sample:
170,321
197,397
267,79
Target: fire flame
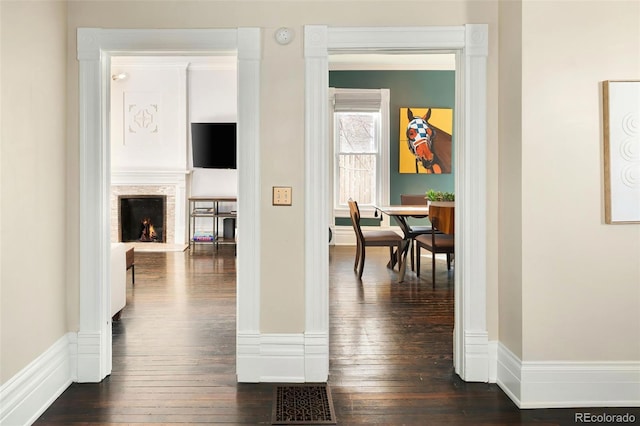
148,232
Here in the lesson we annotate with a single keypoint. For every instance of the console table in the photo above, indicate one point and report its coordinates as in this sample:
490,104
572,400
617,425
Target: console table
209,207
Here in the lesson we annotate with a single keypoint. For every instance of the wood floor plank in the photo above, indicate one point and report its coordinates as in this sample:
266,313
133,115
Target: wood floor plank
391,360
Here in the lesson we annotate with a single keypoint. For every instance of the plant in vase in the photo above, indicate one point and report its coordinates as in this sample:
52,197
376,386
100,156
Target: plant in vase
439,197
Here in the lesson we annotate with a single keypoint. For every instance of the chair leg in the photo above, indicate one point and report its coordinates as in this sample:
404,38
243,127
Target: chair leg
433,269
412,254
418,260
361,267
448,261
392,261
355,264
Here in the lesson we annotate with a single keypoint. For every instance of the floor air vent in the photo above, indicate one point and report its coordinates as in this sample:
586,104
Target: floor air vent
303,404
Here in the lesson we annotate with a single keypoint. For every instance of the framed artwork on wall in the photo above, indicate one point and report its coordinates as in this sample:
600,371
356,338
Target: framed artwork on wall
425,140
621,119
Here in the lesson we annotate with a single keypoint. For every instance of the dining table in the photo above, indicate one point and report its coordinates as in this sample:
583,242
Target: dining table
401,213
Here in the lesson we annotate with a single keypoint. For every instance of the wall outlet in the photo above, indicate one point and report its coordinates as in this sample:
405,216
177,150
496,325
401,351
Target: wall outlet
281,195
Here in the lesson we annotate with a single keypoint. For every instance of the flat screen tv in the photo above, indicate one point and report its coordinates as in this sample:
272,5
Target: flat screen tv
214,145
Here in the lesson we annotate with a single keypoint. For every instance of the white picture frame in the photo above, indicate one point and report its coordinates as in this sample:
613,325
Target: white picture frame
621,121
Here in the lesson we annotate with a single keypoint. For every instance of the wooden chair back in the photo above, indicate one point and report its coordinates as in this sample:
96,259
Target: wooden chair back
413,199
354,213
442,218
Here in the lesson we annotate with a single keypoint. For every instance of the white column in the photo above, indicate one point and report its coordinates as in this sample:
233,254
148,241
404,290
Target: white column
94,336
316,198
471,228
248,366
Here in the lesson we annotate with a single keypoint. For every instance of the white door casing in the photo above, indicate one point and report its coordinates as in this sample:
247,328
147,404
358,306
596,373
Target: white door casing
470,44
95,47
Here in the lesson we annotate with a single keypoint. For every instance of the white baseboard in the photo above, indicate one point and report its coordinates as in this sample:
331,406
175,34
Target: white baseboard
572,384
343,236
88,358
316,358
493,361
280,358
30,392
509,372
248,357
476,356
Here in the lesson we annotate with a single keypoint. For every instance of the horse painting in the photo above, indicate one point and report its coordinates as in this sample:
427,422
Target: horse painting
430,146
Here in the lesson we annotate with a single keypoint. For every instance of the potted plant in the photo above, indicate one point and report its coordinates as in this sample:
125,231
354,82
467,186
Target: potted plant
441,198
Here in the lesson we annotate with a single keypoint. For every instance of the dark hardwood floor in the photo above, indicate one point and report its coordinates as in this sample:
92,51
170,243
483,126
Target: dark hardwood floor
390,352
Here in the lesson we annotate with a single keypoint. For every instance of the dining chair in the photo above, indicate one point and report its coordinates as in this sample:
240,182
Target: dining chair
376,238
441,240
415,230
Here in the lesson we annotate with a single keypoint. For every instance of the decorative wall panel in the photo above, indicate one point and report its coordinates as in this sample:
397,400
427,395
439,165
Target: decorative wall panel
622,151
142,117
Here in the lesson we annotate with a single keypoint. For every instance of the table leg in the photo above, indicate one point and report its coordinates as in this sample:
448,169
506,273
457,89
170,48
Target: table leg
402,267
404,246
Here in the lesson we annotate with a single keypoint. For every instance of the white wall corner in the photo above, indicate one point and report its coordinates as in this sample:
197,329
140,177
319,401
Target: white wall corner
509,373
73,356
25,396
493,361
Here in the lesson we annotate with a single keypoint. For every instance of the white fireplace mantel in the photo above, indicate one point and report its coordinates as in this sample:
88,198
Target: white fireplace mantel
149,177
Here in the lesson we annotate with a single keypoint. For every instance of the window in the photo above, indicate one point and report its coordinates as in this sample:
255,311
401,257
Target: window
360,123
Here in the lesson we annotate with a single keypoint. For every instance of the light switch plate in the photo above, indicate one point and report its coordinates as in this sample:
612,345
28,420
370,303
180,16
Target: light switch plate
281,195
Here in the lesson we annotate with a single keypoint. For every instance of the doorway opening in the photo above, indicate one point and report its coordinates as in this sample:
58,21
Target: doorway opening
469,43
95,49
413,80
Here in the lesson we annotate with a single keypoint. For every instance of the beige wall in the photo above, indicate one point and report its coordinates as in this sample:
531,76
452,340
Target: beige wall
569,285
282,116
510,186
32,242
580,277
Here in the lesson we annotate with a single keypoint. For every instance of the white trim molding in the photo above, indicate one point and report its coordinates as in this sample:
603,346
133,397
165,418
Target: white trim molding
271,358
25,396
470,45
562,384
95,48
317,197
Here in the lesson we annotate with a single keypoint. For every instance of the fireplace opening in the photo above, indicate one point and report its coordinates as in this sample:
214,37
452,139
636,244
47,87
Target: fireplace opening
142,218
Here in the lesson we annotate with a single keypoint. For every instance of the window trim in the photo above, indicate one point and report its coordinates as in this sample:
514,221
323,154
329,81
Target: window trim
383,163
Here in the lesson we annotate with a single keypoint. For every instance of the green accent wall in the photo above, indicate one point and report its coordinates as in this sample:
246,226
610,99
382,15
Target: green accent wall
407,89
